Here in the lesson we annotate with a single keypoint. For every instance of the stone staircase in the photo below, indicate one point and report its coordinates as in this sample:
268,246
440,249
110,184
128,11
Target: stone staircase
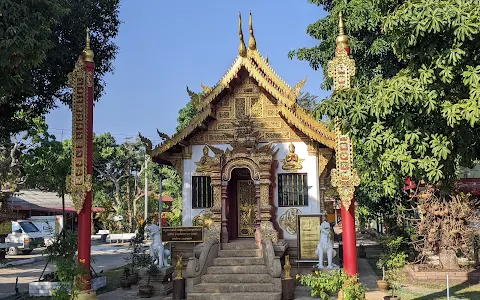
238,273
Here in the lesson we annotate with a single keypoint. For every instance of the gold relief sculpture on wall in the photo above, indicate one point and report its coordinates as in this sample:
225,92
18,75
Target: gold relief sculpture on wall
288,221
292,162
247,208
240,108
256,107
204,164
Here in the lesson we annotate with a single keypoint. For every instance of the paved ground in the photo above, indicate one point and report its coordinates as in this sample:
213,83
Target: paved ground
105,257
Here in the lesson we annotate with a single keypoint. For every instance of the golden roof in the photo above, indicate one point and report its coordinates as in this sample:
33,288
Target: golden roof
259,69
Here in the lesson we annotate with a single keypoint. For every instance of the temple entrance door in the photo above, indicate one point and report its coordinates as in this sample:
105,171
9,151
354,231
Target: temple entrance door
247,208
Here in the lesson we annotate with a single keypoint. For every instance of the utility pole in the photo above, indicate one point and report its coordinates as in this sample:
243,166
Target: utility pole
146,188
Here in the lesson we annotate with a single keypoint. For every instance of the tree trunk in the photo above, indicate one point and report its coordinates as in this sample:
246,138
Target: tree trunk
129,206
448,260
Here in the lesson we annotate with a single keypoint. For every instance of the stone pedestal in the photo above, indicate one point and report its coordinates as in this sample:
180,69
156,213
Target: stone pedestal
288,289
163,283
179,289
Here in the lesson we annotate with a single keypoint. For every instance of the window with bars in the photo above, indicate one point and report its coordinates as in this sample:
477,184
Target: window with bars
292,189
202,192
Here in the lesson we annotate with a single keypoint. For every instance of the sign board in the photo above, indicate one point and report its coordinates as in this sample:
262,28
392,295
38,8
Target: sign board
308,235
192,234
5,227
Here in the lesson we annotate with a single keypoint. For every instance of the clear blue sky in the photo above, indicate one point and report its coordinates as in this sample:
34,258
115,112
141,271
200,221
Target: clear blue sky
167,45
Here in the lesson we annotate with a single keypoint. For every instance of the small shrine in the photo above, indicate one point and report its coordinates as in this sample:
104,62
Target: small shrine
252,159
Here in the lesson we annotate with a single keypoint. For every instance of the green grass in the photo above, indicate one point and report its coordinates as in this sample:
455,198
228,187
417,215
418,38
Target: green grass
428,291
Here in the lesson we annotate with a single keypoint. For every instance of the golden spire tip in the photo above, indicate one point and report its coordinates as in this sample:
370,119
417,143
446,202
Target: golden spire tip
242,50
252,43
342,39
87,52
340,24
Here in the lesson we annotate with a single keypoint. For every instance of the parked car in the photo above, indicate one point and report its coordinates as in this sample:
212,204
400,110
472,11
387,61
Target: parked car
49,226
25,233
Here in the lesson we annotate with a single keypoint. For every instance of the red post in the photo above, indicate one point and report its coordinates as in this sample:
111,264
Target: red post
349,240
85,216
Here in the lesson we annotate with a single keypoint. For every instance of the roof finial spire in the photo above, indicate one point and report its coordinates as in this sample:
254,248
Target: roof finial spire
87,52
242,50
252,43
342,39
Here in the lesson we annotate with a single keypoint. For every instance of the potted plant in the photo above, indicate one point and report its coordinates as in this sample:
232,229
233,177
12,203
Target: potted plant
382,284
394,275
135,258
146,291
125,283
351,289
392,264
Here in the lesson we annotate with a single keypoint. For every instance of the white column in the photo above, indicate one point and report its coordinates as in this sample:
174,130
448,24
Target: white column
187,193
311,164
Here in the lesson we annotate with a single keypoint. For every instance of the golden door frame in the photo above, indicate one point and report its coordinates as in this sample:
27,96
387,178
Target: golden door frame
259,162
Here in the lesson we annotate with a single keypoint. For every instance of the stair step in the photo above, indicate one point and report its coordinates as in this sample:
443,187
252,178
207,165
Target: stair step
259,269
239,246
237,253
233,287
237,278
238,261
234,296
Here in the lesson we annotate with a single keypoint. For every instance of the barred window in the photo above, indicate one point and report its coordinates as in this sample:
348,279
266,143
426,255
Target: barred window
292,190
202,192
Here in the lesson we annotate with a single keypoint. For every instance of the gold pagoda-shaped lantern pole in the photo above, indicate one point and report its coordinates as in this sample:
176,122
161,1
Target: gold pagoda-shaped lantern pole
345,177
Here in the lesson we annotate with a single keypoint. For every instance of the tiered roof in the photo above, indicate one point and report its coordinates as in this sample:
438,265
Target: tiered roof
259,69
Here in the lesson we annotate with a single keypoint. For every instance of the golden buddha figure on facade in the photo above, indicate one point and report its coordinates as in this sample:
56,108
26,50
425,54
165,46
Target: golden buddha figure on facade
291,160
203,165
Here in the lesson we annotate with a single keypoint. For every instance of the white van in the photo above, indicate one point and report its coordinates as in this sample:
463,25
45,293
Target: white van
25,233
49,226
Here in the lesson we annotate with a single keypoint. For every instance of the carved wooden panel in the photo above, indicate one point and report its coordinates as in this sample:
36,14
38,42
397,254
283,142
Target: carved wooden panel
247,208
247,99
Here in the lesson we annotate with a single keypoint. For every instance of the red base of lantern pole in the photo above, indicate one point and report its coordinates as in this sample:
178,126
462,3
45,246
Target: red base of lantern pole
349,240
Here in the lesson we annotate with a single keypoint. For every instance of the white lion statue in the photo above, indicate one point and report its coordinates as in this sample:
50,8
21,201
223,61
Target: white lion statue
157,251
325,245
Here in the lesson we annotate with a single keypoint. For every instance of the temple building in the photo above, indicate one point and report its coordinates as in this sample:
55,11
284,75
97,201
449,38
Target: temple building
252,159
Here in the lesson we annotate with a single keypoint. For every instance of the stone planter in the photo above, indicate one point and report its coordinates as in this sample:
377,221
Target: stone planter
145,291
45,288
125,284
382,285
133,279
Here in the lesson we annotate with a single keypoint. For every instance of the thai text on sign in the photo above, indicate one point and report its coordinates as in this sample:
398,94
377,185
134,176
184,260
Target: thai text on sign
193,234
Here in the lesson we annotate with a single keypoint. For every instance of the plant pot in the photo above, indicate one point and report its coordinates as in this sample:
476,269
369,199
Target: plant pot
382,285
145,291
125,284
340,295
133,279
391,298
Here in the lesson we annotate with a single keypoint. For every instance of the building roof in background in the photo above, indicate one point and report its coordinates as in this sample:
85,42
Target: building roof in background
39,200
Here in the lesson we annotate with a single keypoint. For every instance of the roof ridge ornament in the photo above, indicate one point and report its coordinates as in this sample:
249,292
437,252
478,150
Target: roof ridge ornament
342,39
87,52
252,43
242,50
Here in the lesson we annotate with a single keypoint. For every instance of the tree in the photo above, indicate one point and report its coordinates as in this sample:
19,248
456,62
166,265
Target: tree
47,165
109,164
41,41
308,102
414,107
186,114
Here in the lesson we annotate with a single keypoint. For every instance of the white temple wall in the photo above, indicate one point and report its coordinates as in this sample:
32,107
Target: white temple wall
310,167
